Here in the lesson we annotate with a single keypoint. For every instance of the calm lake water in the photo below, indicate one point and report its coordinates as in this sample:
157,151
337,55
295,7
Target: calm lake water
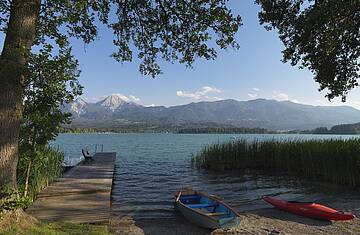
151,167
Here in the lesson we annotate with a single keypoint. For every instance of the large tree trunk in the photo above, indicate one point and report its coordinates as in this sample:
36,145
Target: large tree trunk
19,38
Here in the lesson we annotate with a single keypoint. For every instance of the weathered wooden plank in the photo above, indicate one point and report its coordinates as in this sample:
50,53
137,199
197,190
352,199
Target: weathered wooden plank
81,195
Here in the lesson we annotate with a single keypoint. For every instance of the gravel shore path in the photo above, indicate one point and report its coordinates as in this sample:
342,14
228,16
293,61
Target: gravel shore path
268,221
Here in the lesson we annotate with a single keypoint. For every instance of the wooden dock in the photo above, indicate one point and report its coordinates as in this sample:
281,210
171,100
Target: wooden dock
81,195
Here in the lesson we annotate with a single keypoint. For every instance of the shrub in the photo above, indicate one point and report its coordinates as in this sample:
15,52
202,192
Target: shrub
12,199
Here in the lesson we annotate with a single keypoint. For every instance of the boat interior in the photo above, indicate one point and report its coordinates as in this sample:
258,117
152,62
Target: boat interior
206,206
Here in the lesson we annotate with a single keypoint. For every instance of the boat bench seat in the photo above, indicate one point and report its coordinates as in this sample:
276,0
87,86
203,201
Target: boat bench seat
189,197
217,213
202,205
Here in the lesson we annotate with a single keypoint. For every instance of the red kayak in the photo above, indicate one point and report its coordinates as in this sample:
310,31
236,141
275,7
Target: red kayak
312,210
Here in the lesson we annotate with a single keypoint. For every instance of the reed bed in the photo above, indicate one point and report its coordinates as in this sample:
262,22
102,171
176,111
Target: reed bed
46,167
335,161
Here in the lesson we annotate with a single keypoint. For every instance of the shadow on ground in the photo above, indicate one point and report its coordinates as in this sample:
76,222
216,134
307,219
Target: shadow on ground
285,216
176,226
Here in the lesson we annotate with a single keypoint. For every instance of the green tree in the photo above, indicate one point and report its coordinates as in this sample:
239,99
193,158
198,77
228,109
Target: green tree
175,30
321,35
50,83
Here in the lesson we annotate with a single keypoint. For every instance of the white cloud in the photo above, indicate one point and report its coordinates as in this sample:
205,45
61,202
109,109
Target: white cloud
280,96
202,93
253,95
134,99
208,89
218,98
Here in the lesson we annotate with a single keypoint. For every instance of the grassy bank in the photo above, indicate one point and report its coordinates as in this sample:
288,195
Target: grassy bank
19,223
334,161
35,171
57,229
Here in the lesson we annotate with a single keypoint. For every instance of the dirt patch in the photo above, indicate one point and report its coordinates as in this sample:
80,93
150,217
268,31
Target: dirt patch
174,226
124,226
18,217
273,221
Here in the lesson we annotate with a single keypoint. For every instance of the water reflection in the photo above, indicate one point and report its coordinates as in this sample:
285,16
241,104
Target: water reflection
151,167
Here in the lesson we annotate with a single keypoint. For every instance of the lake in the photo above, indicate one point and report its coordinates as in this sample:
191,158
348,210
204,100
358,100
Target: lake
151,167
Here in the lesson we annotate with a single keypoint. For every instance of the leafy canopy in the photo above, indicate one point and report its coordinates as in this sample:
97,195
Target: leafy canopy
321,35
50,82
176,30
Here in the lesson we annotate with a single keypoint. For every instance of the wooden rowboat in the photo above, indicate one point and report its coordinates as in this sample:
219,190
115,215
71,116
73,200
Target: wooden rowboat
205,210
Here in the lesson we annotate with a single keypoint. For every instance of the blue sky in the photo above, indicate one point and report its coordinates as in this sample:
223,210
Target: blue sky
254,71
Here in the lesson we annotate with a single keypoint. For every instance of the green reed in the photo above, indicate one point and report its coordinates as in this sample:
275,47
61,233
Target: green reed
335,160
46,167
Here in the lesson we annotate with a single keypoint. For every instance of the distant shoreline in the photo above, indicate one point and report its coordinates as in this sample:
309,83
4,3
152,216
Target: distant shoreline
200,133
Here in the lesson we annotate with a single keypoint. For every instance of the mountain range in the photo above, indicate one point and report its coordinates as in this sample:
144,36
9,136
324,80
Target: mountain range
115,110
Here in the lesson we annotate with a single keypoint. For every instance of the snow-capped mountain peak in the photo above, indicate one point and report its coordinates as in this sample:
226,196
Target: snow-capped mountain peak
78,106
115,101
